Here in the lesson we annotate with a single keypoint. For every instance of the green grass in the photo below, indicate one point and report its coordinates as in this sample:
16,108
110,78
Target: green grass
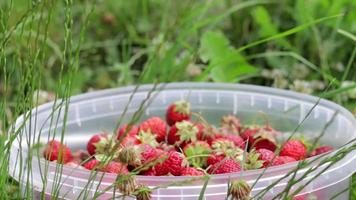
68,47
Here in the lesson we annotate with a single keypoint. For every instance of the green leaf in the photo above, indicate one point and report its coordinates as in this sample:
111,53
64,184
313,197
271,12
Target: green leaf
265,25
230,66
263,20
213,45
225,63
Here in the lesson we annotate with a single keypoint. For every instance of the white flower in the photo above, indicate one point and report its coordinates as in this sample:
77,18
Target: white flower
351,93
301,86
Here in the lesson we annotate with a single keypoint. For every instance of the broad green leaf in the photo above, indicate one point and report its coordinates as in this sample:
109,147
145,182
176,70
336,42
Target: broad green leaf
213,45
229,67
225,63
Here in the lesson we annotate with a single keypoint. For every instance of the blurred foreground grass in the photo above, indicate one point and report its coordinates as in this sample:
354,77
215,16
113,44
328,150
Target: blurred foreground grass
299,45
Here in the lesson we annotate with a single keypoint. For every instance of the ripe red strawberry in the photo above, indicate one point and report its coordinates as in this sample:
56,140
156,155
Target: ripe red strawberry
280,160
149,172
166,147
177,112
214,158
130,141
57,151
148,154
260,137
230,124
151,158
225,166
196,151
266,156
182,132
98,143
173,164
207,133
321,150
191,171
123,131
237,140
295,149
115,167
156,126
91,164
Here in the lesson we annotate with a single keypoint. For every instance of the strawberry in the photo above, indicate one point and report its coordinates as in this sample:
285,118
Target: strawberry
207,133
252,160
295,149
225,166
260,137
237,140
280,160
214,158
133,131
91,164
150,157
191,171
321,150
166,147
115,167
130,141
99,143
156,126
173,164
144,137
227,148
177,112
230,124
148,153
130,135
196,153
266,156
149,172
182,132
57,151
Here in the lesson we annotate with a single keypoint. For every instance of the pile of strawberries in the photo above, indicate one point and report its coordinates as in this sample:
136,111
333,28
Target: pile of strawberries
183,146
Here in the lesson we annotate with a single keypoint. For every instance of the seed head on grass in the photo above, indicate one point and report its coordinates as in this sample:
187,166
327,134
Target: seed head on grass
239,190
126,184
143,192
129,155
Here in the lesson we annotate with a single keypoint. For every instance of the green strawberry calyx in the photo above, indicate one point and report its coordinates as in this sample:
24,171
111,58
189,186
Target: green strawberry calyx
252,161
104,145
187,131
182,107
146,137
